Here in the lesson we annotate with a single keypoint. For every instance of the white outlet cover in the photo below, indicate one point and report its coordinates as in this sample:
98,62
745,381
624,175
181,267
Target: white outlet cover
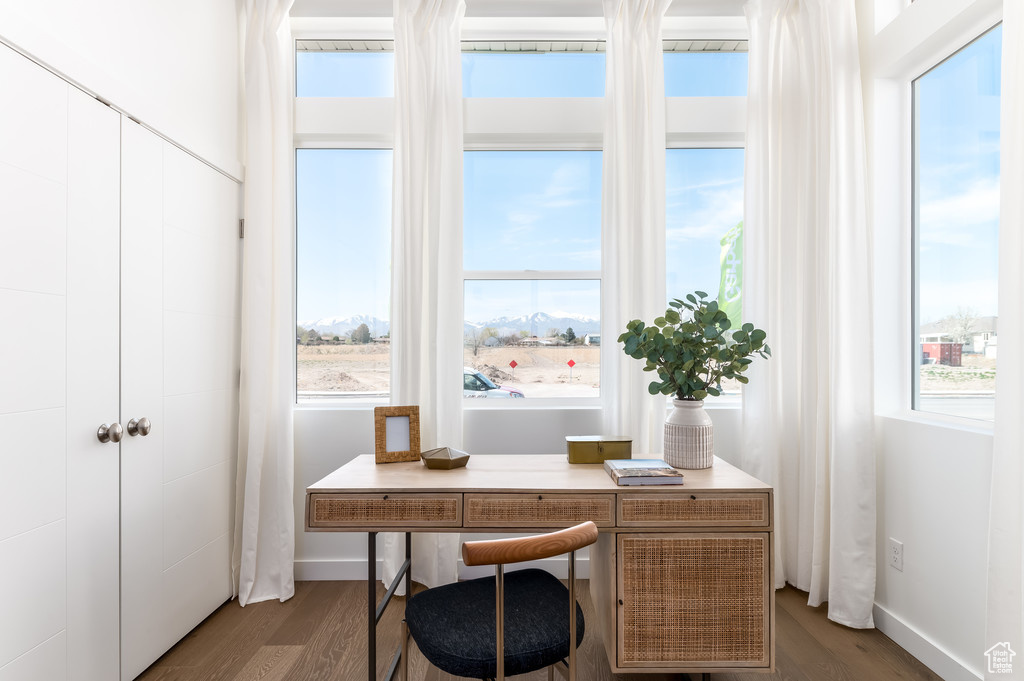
896,554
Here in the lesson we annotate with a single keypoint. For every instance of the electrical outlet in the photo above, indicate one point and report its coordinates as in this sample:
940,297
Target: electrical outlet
896,554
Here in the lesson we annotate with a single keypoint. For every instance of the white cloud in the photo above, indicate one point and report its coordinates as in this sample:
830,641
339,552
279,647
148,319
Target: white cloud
734,182
952,219
521,218
717,212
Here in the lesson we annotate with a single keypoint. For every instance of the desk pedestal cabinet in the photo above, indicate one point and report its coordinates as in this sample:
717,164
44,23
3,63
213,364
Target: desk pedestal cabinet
681,576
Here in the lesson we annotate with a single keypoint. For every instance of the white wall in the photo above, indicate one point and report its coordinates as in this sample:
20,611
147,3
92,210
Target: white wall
174,66
933,496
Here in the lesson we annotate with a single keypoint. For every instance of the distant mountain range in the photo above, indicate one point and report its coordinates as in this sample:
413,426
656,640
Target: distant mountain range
537,324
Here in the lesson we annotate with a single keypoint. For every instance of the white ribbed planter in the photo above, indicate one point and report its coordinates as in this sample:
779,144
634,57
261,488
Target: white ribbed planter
689,436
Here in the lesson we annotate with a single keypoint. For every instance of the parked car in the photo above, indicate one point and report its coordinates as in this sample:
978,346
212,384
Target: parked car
475,384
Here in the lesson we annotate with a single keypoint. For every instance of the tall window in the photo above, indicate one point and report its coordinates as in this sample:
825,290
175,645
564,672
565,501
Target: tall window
532,258
956,222
704,222
343,272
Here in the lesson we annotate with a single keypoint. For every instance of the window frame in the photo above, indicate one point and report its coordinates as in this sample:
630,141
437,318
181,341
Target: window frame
915,243
725,400
907,44
532,275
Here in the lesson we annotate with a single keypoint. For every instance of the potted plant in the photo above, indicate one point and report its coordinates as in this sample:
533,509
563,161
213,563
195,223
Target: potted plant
692,351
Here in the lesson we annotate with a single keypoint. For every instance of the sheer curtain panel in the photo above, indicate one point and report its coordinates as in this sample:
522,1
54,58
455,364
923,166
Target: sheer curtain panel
264,542
426,270
808,412
633,212
1006,516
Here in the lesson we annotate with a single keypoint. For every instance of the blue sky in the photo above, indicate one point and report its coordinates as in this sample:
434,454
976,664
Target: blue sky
704,199
957,137
343,240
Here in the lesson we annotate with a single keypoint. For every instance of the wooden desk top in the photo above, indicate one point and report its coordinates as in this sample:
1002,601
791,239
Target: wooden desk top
519,473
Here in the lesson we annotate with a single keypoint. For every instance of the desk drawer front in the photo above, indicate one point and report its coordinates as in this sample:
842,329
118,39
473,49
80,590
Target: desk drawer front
699,600
697,510
539,510
385,510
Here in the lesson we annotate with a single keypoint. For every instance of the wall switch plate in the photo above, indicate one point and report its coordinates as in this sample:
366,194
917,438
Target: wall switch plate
896,554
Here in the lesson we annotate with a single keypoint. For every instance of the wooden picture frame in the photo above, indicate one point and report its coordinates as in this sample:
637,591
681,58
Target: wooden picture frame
397,434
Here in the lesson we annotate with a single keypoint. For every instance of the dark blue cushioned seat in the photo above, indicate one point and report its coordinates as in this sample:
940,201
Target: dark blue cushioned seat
454,625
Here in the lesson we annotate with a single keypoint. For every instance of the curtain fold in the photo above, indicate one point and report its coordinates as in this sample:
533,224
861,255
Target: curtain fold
264,537
808,412
1005,616
426,271
633,213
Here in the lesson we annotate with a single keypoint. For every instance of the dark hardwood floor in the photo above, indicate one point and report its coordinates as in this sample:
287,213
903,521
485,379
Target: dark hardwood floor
320,634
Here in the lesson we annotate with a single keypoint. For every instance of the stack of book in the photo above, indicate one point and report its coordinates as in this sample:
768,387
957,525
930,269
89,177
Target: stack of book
642,472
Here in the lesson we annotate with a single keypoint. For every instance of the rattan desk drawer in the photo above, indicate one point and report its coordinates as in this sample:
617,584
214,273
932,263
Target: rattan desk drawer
694,510
385,510
539,510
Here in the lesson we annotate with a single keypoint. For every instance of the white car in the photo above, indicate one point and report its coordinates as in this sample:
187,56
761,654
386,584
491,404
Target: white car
475,384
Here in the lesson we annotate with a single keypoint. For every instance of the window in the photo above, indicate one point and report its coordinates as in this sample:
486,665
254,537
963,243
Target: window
344,68
343,272
532,257
956,216
532,280
705,68
704,223
533,69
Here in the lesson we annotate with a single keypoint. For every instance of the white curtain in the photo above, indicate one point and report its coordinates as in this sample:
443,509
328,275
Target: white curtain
426,270
1006,517
633,213
808,411
264,540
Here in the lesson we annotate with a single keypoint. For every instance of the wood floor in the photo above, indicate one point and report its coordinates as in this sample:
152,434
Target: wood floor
320,634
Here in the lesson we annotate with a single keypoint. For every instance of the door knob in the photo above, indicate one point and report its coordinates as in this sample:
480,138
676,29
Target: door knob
111,433
139,427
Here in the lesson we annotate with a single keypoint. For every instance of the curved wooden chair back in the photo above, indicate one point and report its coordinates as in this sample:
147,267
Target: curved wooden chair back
537,547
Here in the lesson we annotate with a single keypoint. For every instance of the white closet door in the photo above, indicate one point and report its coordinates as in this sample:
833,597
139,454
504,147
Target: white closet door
59,187
179,365
33,342
92,388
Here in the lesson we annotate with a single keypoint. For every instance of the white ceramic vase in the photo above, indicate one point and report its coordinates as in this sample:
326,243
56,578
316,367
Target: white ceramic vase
689,436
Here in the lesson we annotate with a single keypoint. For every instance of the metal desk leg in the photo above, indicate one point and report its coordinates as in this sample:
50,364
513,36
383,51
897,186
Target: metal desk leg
375,611
371,601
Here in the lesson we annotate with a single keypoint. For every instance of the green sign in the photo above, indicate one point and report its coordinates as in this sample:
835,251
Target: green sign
730,286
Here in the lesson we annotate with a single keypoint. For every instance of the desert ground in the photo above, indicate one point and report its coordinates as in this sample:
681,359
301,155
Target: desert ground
331,370
540,371
978,374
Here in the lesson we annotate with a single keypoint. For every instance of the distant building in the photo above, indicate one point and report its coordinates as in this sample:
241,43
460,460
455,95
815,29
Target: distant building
592,339
983,339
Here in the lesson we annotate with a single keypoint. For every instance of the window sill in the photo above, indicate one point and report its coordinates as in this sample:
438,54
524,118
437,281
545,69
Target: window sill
940,421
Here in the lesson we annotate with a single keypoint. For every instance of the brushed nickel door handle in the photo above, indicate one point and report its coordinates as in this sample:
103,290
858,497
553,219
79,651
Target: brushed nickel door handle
139,427
112,433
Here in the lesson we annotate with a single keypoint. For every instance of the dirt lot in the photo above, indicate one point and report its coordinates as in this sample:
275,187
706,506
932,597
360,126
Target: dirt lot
978,374
539,372
543,372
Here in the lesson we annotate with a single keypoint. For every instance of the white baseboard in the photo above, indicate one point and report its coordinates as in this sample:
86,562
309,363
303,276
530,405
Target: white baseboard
355,569
927,651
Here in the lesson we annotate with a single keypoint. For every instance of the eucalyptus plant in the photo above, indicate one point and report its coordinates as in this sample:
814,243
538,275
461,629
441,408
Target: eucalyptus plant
691,349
